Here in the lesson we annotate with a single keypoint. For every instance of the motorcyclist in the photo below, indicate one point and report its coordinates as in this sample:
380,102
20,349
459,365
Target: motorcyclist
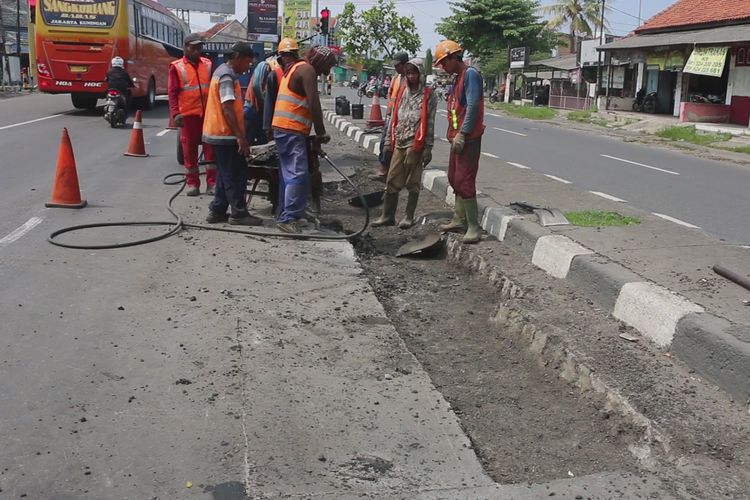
119,79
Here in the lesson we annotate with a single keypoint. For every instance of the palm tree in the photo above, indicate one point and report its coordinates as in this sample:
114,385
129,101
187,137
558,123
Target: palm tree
581,15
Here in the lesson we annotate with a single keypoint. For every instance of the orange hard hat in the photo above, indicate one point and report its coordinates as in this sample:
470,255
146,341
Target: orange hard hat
444,49
288,45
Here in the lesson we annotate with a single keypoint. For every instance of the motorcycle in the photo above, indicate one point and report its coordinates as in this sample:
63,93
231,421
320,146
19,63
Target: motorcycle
114,108
494,95
645,102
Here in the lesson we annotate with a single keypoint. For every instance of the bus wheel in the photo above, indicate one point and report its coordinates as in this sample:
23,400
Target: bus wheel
149,100
83,101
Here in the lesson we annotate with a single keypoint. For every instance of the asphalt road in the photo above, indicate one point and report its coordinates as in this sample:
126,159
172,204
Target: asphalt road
711,195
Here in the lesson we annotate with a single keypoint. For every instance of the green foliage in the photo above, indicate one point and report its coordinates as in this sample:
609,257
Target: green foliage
582,16
377,32
587,117
428,62
691,135
599,218
487,28
528,112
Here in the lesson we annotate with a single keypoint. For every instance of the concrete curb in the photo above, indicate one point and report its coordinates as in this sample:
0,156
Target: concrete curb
714,347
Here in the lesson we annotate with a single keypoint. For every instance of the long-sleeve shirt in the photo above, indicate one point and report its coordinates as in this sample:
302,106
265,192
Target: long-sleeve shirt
173,89
410,118
269,102
471,98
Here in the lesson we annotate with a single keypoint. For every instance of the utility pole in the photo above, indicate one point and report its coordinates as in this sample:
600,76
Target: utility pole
640,11
601,42
18,28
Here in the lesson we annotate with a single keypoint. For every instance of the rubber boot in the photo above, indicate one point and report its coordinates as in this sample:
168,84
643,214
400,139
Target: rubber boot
390,203
411,207
473,234
459,218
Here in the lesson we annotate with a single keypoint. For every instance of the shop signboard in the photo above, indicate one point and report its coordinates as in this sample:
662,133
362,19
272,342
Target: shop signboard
519,57
262,20
297,19
211,6
80,13
707,61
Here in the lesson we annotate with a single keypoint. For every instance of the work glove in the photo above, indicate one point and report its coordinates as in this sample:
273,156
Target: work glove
179,121
323,138
426,157
458,143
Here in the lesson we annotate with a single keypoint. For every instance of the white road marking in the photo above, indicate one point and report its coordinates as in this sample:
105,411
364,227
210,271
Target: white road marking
493,114
163,133
31,121
509,131
444,139
19,232
641,165
518,165
490,155
676,221
608,197
558,179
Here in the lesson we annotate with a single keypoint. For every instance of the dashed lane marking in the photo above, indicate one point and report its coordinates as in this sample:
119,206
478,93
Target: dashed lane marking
641,165
510,131
490,155
558,179
677,221
31,121
494,115
608,197
20,231
444,139
518,165
163,133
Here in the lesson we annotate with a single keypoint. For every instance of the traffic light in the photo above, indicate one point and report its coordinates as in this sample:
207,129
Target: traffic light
325,16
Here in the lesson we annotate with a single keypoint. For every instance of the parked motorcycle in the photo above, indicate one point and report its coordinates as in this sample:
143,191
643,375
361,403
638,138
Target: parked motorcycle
494,95
645,102
115,108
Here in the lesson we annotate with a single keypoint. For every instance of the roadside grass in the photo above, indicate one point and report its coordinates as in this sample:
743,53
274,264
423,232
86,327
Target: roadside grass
587,117
528,112
691,135
739,149
600,218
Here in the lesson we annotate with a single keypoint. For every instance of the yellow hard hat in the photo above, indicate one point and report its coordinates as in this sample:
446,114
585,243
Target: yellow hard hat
288,45
444,49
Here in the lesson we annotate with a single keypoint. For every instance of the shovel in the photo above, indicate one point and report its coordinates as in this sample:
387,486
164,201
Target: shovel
428,245
546,216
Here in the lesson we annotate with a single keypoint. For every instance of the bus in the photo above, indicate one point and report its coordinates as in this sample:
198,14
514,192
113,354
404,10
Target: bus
77,39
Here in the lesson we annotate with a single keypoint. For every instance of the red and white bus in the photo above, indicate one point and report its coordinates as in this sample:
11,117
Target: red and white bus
77,39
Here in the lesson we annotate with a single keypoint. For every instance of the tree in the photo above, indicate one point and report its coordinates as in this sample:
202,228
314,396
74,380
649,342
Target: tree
488,28
377,32
428,62
580,15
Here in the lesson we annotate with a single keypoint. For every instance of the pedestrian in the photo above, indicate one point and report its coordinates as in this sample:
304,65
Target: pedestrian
410,138
224,129
187,88
465,129
297,109
384,157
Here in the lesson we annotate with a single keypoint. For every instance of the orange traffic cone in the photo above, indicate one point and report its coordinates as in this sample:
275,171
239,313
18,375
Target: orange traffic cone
137,147
65,192
376,116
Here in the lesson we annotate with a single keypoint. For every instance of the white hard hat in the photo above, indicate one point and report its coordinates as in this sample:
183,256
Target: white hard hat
118,62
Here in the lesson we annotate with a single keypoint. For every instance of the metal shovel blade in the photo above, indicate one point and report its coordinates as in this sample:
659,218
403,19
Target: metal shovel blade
551,217
427,245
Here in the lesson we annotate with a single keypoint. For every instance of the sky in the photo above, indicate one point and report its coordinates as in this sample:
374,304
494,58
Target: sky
623,17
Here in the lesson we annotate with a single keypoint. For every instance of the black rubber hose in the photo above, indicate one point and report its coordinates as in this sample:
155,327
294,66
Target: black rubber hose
178,225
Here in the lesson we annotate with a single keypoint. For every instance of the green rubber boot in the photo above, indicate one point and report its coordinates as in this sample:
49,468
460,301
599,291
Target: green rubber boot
473,233
411,207
390,203
459,218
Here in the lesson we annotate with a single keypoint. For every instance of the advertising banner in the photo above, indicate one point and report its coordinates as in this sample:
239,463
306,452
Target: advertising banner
519,57
297,19
707,61
262,20
79,13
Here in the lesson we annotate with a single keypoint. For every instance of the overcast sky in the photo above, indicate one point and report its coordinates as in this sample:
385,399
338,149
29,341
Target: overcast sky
623,18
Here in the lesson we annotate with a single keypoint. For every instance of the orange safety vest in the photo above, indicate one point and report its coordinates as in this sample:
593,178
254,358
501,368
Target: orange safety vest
421,136
216,129
194,82
395,88
292,110
457,111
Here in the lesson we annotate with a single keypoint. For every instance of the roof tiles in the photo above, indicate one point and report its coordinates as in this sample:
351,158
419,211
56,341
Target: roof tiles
685,13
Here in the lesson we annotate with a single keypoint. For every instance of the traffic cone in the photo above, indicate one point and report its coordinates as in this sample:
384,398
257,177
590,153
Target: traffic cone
65,192
136,147
376,116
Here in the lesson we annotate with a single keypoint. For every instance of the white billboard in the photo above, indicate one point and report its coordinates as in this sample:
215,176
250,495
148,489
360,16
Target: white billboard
210,6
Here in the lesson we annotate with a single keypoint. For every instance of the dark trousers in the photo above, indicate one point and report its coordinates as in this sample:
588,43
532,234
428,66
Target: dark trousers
231,182
254,127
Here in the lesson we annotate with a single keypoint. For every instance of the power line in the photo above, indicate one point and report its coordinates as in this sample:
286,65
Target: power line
626,13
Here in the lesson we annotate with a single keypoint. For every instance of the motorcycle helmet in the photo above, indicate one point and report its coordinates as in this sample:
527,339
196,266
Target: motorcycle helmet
118,62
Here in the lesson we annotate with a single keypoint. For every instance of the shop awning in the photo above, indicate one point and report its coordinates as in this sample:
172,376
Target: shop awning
565,63
723,35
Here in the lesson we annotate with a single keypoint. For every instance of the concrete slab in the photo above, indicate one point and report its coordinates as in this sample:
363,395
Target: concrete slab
554,253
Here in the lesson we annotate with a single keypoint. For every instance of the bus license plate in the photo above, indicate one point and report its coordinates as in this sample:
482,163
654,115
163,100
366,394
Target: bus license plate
79,69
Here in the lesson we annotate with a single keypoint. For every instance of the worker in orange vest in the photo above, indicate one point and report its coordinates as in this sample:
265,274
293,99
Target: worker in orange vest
297,109
411,135
399,64
224,129
465,129
187,87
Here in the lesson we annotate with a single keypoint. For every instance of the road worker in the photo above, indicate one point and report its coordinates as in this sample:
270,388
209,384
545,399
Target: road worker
384,158
411,135
187,87
465,129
